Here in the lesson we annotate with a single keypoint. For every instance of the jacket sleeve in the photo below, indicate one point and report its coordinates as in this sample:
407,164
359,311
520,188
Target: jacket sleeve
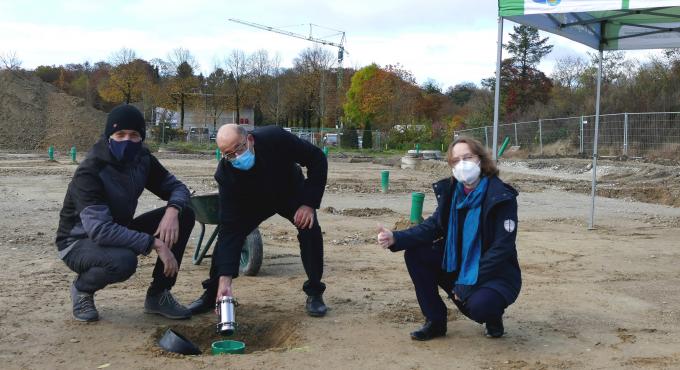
311,157
166,186
87,192
502,246
420,235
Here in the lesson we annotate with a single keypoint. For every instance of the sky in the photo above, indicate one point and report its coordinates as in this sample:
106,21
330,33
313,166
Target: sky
449,41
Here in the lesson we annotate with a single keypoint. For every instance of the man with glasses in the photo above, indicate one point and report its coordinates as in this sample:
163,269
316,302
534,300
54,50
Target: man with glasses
98,236
259,176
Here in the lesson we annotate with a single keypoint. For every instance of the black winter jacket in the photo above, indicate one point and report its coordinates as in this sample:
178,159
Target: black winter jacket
275,182
101,199
498,264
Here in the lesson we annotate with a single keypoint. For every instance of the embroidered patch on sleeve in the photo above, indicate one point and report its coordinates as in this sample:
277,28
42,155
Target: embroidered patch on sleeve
509,225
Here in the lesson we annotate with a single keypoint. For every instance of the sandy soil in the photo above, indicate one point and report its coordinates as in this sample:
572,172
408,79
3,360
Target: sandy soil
605,298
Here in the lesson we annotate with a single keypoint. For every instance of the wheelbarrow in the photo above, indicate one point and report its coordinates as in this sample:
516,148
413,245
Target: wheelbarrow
206,208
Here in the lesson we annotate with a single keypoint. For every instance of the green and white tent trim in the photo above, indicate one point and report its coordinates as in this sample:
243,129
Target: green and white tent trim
599,24
609,24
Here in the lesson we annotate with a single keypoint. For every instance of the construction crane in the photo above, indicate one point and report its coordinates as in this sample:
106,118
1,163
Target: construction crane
340,45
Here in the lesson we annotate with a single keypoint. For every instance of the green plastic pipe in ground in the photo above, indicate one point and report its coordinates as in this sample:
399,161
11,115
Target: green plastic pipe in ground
50,152
73,154
385,181
417,199
502,149
218,154
325,151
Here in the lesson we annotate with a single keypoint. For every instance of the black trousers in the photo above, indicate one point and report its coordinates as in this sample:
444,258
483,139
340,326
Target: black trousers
99,265
424,267
311,247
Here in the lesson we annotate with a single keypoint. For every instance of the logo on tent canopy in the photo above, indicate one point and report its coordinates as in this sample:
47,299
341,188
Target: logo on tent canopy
549,2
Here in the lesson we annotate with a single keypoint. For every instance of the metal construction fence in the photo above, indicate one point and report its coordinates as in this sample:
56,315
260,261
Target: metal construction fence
324,137
653,134
341,138
634,135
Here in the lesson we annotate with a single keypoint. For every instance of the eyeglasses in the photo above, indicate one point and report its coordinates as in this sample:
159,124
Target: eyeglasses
466,157
230,156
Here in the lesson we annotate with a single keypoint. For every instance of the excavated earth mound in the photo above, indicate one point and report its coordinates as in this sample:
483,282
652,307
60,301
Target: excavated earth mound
35,115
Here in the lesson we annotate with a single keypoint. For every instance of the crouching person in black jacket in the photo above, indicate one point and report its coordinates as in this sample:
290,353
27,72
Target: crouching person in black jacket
98,236
467,247
259,176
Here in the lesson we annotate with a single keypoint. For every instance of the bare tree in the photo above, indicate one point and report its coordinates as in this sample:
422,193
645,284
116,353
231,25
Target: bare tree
312,65
261,69
123,56
10,61
180,56
567,71
182,65
237,68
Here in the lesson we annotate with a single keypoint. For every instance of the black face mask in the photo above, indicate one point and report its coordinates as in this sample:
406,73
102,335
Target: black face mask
124,151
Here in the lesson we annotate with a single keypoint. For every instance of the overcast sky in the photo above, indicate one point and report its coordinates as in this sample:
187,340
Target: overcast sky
450,41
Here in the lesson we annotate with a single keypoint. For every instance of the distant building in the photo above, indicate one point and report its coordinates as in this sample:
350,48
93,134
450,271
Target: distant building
199,119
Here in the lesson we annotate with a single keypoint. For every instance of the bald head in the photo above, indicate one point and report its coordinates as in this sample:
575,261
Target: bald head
230,137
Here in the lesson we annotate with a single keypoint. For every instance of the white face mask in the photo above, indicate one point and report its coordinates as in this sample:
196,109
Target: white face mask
467,172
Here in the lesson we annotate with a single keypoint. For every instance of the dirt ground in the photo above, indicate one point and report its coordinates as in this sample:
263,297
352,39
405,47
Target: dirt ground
599,299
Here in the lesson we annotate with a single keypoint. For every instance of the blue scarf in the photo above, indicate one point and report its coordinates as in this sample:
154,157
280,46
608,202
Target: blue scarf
472,243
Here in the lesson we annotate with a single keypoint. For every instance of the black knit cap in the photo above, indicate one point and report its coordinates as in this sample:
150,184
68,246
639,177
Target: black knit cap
125,117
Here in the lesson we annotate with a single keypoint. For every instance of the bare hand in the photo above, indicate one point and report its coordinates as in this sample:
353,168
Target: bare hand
168,228
385,237
223,289
304,217
170,266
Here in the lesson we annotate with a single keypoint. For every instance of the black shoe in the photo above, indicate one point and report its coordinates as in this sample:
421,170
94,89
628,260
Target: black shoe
315,306
495,329
83,305
204,303
429,330
165,304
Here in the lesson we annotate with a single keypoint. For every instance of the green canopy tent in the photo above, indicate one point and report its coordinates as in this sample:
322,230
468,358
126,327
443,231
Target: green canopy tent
599,24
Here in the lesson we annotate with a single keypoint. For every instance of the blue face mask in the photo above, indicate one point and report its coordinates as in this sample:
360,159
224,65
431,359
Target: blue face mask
124,151
244,161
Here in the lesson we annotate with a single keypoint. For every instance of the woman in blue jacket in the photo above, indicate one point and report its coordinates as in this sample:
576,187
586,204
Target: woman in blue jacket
467,247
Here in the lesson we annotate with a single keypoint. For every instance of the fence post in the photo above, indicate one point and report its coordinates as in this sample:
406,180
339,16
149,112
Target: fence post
625,134
540,135
581,136
486,136
515,133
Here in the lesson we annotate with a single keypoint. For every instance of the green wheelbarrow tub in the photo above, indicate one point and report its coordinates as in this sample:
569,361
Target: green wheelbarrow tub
206,209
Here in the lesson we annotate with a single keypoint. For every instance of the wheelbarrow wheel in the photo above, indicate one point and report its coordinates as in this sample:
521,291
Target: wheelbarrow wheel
251,254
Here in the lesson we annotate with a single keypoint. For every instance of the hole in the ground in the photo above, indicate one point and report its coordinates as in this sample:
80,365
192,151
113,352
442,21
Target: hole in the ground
257,328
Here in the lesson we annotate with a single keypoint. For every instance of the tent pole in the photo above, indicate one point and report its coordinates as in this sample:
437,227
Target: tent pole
497,93
591,225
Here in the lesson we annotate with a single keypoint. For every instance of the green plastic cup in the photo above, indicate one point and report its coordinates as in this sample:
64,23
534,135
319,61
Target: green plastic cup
385,181
417,199
228,347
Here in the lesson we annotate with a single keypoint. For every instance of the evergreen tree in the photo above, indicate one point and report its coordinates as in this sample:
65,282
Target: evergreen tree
527,48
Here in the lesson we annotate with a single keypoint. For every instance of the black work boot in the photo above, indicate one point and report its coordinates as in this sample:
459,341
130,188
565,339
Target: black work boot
165,304
83,305
429,330
315,306
495,329
204,303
